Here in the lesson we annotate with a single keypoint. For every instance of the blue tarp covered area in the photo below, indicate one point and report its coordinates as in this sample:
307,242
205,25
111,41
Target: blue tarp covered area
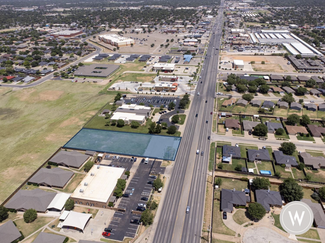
127,143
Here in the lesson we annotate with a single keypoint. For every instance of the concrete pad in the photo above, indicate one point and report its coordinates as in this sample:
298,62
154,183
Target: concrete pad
293,138
262,235
271,136
318,140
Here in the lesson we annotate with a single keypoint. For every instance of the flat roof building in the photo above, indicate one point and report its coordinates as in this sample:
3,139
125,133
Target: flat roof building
168,67
116,40
97,187
96,70
67,33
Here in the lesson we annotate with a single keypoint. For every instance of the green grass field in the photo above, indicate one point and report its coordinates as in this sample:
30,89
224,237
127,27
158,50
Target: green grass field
35,122
137,77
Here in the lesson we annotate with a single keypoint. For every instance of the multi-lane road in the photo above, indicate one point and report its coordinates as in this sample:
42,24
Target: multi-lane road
187,185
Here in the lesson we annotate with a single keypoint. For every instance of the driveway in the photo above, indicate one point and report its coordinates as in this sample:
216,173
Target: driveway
271,136
318,140
293,138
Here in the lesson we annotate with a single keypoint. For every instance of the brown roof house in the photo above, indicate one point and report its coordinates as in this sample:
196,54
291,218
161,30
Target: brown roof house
293,130
229,102
315,162
319,216
277,89
232,123
316,131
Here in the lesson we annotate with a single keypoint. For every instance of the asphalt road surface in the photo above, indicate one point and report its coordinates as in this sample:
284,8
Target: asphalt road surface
188,181
50,76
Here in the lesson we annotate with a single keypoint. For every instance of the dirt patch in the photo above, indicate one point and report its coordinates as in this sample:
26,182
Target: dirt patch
267,67
50,95
25,94
71,121
56,137
12,172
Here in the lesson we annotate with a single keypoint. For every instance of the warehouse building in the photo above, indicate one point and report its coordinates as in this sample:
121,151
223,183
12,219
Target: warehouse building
98,186
132,112
116,40
96,70
238,64
67,33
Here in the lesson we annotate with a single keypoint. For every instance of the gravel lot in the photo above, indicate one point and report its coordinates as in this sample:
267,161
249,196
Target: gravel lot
262,235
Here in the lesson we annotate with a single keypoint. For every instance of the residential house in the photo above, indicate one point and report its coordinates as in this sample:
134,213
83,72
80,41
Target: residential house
311,161
293,130
229,102
261,155
310,106
283,159
242,102
273,126
283,105
277,89
256,103
295,106
318,211
9,232
315,92
268,104
27,199
28,79
303,78
232,123
321,107
288,90
232,198
268,199
249,125
316,131
229,152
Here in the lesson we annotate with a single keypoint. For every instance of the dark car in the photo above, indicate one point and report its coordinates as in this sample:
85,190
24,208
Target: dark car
150,182
224,215
108,229
135,159
144,198
249,132
126,195
141,209
211,113
153,177
206,101
208,137
202,153
196,115
206,121
135,221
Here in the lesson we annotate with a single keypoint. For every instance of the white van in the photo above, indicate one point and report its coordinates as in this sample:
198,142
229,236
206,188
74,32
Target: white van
146,161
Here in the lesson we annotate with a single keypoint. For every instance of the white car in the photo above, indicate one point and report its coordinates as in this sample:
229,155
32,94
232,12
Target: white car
197,151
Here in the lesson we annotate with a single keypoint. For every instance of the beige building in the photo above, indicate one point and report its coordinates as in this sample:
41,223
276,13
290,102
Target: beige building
116,40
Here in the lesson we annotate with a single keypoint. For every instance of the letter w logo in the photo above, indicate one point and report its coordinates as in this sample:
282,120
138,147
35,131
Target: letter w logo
296,217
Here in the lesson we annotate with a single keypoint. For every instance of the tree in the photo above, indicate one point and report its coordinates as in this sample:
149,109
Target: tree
69,205
3,213
135,124
158,128
261,183
293,119
171,130
218,181
321,192
171,105
301,91
264,89
88,166
151,128
120,123
30,215
256,211
5,79
247,97
279,131
164,125
288,148
260,130
152,45
117,97
301,166
305,120
262,62
175,119
238,167
157,183
241,88
291,191
252,89
310,83
146,217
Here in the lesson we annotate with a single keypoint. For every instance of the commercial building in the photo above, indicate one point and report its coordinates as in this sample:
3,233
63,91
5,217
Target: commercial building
132,112
168,78
55,177
116,40
69,159
9,232
238,64
98,186
96,70
165,87
190,42
67,33
166,67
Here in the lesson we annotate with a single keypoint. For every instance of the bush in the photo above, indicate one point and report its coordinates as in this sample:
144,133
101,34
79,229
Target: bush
113,123
238,167
111,204
120,123
146,217
69,205
218,181
153,205
301,166
279,131
30,215
171,130
321,192
135,124
175,119
66,240
315,196
283,165
127,173
277,174
3,213
157,184
220,166
88,166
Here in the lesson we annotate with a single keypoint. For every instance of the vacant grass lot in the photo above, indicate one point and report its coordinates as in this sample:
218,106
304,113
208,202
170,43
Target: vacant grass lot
137,77
29,228
35,122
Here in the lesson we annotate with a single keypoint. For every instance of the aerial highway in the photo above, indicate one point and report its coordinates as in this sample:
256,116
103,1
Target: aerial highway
187,185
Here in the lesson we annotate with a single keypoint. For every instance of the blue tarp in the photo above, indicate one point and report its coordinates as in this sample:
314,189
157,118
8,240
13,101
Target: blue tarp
187,58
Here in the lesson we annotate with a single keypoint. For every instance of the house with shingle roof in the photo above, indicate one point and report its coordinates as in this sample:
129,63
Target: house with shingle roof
9,232
249,125
295,106
273,126
268,199
283,159
49,238
55,177
319,216
311,161
316,131
283,104
231,151
288,90
232,198
321,107
293,130
69,159
260,155
229,102
268,104
256,103
232,123
315,92
242,102
310,106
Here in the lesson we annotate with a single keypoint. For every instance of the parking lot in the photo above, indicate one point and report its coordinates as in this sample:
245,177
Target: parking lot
153,100
118,161
138,187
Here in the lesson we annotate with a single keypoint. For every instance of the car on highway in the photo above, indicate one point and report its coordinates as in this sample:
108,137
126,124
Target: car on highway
208,137
202,153
197,151
108,229
224,215
198,93
106,234
187,209
206,121
211,113
135,221
196,115
206,101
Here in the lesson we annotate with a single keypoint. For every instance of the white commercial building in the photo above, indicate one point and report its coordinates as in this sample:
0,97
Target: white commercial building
169,67
239,64
132,112
98,186
116,40
190,42
128,117
237,31
58,202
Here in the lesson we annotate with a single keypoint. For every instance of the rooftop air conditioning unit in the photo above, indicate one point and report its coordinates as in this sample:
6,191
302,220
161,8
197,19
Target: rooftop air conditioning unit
85,184
81,190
